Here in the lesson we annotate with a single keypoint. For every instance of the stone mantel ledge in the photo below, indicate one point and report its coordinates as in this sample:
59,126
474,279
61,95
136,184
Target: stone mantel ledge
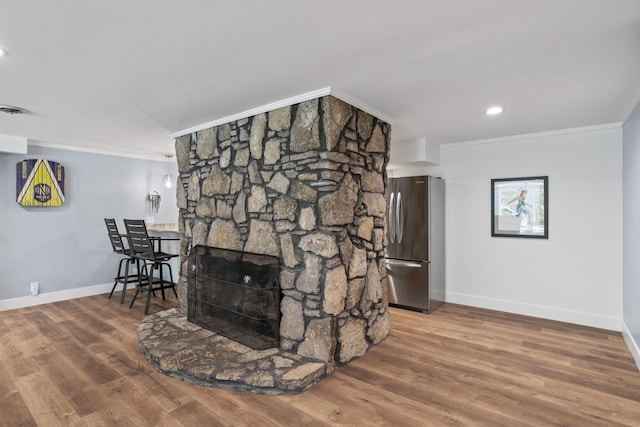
184,350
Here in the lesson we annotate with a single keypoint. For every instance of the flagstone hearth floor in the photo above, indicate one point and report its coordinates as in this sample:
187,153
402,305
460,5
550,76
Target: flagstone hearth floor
186,351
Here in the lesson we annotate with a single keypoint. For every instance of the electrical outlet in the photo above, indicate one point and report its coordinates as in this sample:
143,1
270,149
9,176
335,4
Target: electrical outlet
35,288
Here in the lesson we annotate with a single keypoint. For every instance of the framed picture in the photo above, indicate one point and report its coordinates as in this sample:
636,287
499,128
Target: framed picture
520,207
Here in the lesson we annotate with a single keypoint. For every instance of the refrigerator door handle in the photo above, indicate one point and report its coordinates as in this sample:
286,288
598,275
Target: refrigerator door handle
399,217
391,220
404,263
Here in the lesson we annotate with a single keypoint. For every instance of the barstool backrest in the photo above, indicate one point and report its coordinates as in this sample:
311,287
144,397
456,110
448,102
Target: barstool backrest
139,240
114,236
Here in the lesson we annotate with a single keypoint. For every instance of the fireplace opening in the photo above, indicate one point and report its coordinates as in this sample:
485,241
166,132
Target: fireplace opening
235,294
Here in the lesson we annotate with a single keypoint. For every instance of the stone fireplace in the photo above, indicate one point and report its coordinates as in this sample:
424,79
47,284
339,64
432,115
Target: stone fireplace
303,184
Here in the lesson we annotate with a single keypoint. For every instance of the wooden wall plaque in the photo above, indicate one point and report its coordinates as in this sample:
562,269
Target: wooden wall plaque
39,183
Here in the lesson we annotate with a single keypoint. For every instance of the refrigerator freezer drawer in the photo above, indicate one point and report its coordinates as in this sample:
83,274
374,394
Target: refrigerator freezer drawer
409,284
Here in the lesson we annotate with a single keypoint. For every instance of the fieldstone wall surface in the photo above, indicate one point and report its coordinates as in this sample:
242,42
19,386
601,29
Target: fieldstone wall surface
305,183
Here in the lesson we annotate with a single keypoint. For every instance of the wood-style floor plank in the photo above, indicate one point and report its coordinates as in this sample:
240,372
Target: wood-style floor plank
77,363
14,409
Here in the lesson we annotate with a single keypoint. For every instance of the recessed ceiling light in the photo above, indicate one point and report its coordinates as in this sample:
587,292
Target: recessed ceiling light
3,52
492,111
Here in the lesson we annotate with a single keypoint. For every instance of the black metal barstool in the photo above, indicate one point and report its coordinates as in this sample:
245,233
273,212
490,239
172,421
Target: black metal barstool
142,247
128,261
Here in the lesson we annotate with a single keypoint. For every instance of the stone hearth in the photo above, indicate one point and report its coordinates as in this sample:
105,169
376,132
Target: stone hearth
304,183
186,351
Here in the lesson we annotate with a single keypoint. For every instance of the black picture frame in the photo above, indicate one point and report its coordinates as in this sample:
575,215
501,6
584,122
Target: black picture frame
520,207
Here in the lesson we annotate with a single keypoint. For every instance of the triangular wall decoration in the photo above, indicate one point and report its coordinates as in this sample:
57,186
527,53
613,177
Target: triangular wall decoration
39,183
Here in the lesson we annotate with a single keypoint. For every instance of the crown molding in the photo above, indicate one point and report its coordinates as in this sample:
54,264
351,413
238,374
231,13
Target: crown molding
361,105
513,138
160,157
285,103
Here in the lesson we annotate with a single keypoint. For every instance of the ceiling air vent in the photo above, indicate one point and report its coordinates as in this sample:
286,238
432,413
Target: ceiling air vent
10,109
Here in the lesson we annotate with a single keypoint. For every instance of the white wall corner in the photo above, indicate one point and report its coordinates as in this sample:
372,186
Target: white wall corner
632,344
415,151
13,144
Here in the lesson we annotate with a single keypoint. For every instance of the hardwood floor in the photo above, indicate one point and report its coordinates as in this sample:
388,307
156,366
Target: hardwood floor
76,363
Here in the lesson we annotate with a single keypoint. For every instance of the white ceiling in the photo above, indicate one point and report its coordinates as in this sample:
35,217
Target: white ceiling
122,75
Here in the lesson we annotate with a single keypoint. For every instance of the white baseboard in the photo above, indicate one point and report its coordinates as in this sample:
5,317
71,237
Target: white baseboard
28,301
632,344
611,323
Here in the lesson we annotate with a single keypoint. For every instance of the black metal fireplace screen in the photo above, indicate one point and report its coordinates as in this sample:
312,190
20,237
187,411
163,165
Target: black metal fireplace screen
235,294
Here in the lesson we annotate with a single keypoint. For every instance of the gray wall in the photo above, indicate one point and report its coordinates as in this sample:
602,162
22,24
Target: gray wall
67,247
631,224
550,278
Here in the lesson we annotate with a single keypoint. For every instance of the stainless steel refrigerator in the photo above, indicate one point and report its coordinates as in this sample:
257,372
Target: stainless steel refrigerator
415,242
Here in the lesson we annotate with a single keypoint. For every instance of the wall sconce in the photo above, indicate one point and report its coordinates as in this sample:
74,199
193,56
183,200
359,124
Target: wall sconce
153,205
153,202
168,178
